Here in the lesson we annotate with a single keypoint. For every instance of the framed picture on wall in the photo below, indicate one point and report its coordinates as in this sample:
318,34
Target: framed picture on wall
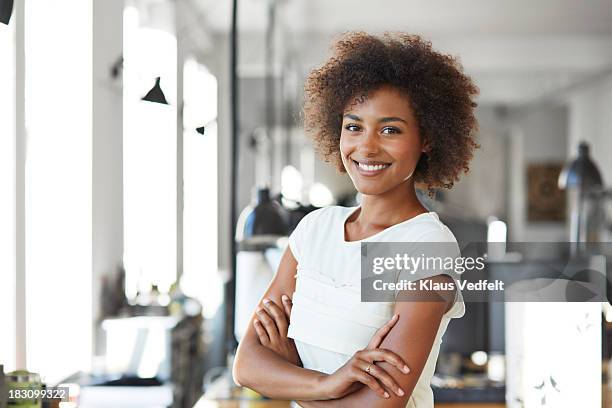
545,201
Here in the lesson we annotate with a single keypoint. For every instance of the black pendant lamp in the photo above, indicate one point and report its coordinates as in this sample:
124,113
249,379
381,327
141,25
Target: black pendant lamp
581,179
262,223
6,9
156,94
201,130
581,172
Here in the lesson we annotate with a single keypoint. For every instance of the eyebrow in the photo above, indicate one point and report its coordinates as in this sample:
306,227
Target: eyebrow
381,120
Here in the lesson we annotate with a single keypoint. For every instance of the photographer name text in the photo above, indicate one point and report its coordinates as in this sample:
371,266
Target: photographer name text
427,285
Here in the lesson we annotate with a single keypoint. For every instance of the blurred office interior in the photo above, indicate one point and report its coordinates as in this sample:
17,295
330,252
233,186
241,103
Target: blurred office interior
152,164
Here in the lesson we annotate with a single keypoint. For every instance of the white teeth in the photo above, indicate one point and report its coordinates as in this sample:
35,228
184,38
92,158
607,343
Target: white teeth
374,167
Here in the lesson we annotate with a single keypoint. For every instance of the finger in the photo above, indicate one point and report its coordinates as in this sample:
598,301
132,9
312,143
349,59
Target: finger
261,333
287,305
278,315
385,355
380,334
268,324
382,376
361,376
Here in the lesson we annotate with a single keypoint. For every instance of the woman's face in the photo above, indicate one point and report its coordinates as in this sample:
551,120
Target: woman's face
380,143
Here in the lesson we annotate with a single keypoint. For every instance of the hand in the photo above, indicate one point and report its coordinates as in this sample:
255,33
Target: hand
361,369
271,326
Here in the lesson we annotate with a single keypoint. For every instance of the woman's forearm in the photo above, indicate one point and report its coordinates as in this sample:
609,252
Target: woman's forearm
264,371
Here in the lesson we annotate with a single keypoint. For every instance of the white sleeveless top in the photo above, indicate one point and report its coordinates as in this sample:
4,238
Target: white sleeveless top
329,323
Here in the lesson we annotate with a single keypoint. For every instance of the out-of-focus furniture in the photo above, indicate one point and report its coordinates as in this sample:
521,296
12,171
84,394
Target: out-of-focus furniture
205,403
167,348
222,392
470,405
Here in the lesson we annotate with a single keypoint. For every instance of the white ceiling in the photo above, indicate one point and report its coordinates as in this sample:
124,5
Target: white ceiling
424,16
517,50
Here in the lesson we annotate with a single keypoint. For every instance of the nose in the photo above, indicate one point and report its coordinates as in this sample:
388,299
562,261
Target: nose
368,144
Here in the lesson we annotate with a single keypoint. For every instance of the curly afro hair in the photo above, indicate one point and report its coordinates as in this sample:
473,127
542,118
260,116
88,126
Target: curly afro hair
441,96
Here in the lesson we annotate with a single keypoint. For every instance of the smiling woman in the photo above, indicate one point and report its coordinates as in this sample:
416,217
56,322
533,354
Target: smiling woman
434,95
391,113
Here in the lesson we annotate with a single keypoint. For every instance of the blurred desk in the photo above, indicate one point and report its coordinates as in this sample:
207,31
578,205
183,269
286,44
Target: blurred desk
470,405
206,403
222,393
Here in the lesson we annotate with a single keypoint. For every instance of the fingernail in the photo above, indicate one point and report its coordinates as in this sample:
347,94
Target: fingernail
406,369
266,301
255,321
285,298
400,392
386,394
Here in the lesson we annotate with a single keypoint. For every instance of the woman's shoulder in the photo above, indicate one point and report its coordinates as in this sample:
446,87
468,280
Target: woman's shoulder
426,227
325,215
314,228
319,221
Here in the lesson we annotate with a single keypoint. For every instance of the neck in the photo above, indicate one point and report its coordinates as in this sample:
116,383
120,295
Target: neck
391,207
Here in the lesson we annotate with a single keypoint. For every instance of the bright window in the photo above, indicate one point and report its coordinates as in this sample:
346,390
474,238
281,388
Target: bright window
58,52
200,217
149,152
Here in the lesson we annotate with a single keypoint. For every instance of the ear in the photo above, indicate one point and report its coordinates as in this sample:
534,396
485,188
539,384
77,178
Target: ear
426,148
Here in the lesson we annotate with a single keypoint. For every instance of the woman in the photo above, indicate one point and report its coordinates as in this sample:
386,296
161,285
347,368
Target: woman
392,113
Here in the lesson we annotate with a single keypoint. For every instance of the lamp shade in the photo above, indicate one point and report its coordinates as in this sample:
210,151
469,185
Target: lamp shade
581,173
6,9
156,94
261,225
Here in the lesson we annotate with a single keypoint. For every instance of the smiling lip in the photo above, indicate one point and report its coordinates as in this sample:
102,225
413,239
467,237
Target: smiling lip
370,168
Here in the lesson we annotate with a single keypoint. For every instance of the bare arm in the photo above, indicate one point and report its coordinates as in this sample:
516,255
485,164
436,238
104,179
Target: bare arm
263,370
412,338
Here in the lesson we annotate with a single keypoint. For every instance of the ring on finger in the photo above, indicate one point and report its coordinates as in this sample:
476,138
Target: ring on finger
368,368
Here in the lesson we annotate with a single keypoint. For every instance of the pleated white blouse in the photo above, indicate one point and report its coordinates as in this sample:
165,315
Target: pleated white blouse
329,323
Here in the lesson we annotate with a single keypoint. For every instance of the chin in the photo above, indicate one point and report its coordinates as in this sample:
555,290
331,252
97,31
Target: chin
376,187
371,188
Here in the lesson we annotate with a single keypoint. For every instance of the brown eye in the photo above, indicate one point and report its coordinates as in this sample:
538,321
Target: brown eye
390,130
352,127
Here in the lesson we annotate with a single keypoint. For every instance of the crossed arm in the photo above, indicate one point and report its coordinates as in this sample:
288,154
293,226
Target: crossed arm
373,377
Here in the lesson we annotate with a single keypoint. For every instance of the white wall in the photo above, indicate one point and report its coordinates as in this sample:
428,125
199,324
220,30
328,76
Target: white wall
7,186
217,61
538,135
107,149
482,192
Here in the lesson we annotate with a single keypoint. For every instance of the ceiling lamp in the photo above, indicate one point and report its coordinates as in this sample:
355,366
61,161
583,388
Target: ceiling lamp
156,94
